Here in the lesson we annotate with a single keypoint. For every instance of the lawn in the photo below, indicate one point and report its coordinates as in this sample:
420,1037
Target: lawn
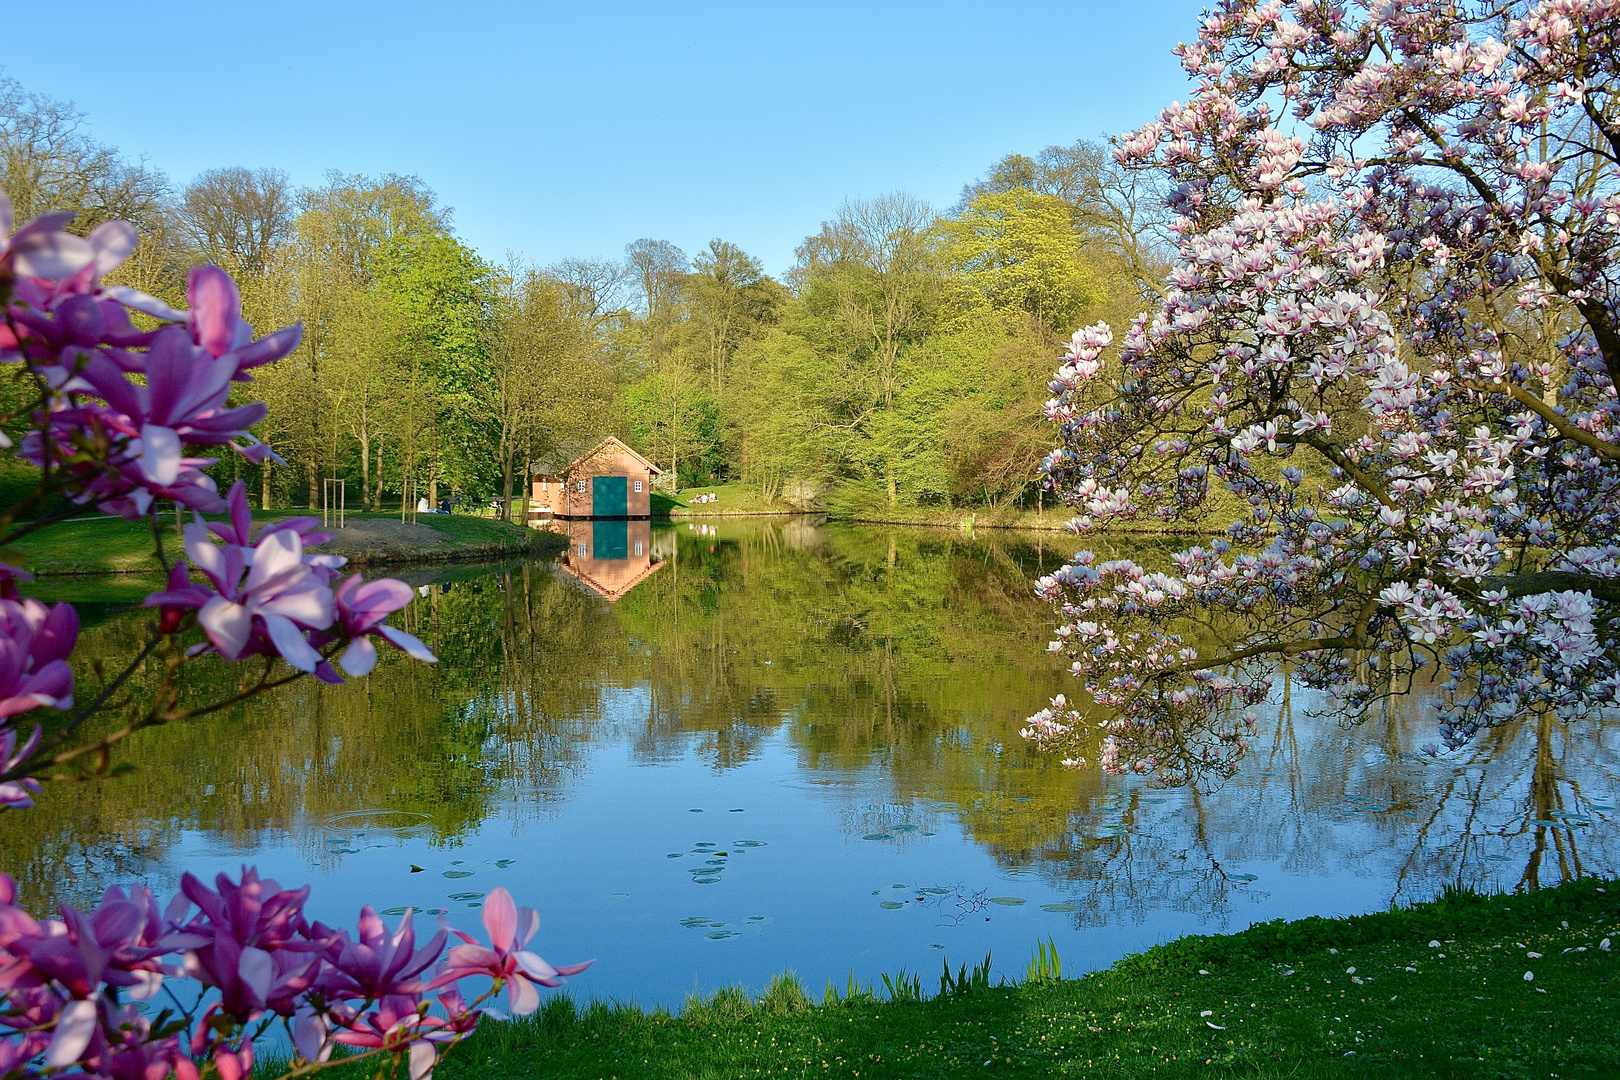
103,544
1510,986
730,499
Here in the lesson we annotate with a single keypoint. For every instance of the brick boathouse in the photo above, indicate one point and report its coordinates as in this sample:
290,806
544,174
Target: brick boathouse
601,500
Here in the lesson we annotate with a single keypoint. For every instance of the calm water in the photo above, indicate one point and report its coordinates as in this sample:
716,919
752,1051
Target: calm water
788,746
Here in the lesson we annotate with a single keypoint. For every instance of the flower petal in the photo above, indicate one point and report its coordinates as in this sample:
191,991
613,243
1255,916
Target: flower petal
359,658
290,643
227,625
160,454
410,643
74,1026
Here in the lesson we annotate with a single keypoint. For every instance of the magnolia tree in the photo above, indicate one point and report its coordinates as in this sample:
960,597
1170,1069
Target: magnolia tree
115,405
1385,363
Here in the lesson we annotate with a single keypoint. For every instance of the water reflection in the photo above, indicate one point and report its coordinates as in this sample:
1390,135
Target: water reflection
769,745
608,556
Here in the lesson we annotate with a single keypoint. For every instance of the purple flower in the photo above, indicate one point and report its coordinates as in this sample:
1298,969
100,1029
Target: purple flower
265,597
17,794
361,609
34,645
41,249
379,964
248,942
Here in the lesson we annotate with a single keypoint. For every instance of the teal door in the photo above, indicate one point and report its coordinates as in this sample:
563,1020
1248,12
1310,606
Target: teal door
610,496
610,539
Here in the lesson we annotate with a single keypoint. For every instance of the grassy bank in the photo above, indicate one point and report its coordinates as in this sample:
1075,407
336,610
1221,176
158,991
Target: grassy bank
108,545
1437,990
731,500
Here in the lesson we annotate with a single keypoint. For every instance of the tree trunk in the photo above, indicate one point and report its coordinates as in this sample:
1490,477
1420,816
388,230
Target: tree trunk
264,491
376,500
527,482
365,468
506,487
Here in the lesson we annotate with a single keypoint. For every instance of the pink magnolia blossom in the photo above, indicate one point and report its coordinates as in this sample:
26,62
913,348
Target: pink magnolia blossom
362,607
42,249
505,958
17,794
264,600
34,645
1349,187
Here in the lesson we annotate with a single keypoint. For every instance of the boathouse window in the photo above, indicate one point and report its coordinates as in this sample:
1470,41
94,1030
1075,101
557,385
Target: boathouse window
638,491
638,542
580,486
582,550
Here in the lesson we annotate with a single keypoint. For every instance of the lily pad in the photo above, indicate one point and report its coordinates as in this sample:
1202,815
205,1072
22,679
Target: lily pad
458,873
706,879
676,855
695,921
902,828
694,810
937,892
891,905
721,935
749,843
1060,907
1008,901
504,863
1245,878
394,911
465,896
877,836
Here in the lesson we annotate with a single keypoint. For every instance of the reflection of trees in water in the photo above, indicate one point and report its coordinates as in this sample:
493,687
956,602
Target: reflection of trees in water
900,663
1319,799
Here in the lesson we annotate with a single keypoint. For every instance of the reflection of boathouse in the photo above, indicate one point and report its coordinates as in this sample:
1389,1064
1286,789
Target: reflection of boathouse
608,556
605,479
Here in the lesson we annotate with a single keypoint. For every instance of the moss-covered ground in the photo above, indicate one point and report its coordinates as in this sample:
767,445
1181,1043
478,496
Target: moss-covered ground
1510,986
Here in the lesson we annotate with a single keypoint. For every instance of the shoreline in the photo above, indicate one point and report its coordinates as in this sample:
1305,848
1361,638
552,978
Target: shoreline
1511,985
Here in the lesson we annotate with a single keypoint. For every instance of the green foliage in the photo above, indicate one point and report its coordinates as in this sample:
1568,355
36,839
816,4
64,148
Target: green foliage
784,994
1017,250
854,992
903,986
1045,965
964,981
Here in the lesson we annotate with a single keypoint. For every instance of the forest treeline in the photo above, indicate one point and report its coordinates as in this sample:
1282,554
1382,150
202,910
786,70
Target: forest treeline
902,360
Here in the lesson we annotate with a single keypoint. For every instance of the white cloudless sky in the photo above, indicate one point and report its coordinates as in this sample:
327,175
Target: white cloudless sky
572,129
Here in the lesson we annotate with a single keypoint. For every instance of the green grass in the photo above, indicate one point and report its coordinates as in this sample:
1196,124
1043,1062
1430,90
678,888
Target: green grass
1280,998
733,499
109,545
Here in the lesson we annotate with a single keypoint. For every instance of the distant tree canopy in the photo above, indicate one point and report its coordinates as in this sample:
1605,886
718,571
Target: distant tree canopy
901,361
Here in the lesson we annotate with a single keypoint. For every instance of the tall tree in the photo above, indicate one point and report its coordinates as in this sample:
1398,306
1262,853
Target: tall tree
48,161
872,277
237,218
729,297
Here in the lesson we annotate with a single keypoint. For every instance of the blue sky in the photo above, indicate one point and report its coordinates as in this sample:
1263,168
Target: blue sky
572,129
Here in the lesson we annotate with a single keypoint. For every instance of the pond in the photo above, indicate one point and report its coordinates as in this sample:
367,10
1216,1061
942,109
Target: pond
709,753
